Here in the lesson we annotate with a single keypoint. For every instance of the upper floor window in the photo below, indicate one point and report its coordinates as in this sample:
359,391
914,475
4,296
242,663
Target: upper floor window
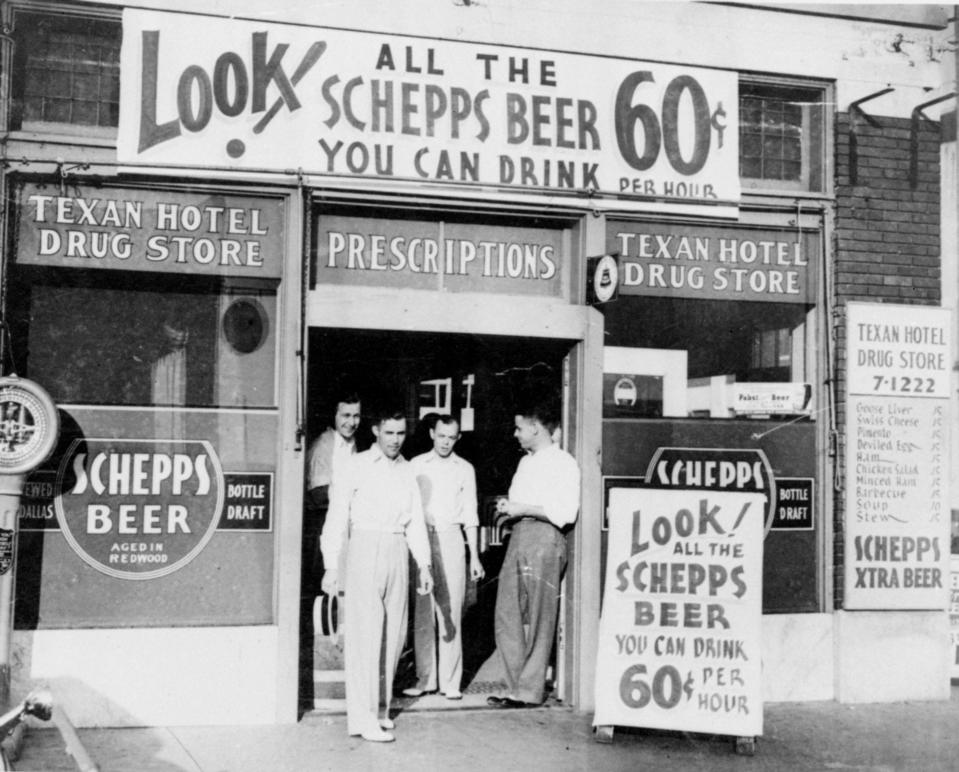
67,72
781,137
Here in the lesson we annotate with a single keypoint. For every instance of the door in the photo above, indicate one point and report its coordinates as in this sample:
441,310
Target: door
475,378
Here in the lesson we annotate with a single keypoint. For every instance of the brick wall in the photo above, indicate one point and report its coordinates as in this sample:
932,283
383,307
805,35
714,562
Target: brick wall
886,241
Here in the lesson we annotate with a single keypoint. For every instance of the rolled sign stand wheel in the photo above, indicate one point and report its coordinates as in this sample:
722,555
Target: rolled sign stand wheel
745,746
604,734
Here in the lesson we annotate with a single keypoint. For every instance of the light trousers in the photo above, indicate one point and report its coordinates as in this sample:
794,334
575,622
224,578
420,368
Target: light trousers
442,612
377,581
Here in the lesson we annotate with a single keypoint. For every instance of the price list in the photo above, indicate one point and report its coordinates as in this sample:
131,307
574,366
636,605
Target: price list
896,520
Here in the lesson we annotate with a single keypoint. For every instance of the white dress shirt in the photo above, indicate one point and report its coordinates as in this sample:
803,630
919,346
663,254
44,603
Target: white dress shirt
548,478
448,489
343,450
374,493
327,455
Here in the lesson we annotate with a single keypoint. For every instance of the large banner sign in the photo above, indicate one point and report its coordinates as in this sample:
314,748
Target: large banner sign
139,509
708,262
251,95
147,230
897,523
680,633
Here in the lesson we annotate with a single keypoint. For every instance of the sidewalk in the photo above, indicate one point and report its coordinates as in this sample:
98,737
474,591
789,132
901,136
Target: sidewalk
802,736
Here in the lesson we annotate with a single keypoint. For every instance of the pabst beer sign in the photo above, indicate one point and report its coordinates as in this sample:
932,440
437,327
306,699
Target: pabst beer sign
139,509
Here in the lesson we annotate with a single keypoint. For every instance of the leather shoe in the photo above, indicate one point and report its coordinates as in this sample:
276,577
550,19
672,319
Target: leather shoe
453,695
377,736
508,702
387,723
415,692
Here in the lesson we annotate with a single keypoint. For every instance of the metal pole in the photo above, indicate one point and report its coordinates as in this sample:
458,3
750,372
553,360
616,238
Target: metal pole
11,485
29,429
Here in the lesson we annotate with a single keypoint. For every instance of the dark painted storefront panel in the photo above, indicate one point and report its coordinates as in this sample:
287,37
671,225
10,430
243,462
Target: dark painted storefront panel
228,581
789,561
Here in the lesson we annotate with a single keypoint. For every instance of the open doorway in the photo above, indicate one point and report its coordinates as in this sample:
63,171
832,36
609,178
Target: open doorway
475,378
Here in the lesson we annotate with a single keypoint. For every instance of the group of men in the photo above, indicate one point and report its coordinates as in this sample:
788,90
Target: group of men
383,508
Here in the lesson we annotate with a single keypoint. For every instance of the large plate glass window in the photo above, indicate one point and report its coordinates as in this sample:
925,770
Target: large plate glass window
711,351
151,317
146,340
714,358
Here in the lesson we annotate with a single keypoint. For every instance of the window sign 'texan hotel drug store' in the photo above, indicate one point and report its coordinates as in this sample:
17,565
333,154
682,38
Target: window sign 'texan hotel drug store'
329,102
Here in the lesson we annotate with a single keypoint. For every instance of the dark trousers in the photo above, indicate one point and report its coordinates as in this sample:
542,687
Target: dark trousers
311,574
527,603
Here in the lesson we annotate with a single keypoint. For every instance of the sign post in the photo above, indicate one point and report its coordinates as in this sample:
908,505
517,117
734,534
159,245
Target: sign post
29,426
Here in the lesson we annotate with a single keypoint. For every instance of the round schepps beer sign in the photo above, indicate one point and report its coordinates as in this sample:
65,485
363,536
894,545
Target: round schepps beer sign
736,470
29,425
139,509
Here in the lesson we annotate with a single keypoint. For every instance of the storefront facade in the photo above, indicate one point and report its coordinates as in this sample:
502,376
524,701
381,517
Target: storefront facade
265,209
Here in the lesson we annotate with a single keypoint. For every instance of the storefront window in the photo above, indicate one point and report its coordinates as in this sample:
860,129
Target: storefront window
151,318
147,340
709,363
781,137
71,71
727,354
710,322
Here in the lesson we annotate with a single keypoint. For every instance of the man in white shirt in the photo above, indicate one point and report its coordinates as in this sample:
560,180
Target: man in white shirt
448,486
543,501
328,453
376,501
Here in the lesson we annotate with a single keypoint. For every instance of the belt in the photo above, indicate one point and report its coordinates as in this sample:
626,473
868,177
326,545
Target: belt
369,529
541,522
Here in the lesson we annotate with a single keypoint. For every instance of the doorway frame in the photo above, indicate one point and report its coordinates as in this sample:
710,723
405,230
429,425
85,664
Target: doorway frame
407,310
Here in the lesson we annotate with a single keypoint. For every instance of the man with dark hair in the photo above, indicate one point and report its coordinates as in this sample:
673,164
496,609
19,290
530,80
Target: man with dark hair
543,501
327,455
331,447
448,486
376,501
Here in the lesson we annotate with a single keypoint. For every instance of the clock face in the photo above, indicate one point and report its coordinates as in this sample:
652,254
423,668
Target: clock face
29,425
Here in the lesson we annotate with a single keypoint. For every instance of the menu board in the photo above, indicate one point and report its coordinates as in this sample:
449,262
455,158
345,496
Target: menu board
897,524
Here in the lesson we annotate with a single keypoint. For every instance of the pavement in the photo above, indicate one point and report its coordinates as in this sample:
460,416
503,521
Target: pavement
797,736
